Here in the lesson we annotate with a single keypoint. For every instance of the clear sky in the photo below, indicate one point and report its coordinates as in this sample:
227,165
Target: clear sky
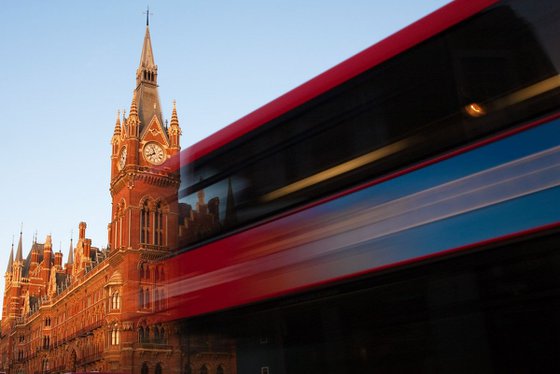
67,66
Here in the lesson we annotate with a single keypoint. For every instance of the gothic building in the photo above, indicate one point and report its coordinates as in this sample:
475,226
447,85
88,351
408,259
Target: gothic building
104,309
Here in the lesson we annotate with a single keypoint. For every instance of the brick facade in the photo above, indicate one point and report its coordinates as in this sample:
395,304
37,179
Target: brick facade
104,309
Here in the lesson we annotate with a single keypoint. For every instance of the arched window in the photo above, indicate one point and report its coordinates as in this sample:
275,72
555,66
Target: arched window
147,298
115,301
204,369
141,298
220,370
158,225
156,334
156,299
145,223
144,369
115,336
158,368
141,334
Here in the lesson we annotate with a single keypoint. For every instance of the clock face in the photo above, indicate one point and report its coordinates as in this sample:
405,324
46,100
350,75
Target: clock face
154,153
122,159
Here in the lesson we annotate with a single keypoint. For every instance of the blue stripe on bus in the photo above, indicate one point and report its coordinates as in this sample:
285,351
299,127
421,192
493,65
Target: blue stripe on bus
491,155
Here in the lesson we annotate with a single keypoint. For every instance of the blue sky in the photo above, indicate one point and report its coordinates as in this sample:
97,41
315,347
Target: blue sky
67,66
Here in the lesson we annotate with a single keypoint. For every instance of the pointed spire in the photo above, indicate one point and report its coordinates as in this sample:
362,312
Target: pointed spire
71,253
19,254
133,122
133,107
147,95
117,131
174,118
174,130
11,259
147,56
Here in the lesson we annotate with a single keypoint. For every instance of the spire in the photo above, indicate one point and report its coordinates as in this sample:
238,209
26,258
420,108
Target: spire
71,254
133,107
117,132
147,95
132,121
147,56
19,254
10,260
174,118
174,131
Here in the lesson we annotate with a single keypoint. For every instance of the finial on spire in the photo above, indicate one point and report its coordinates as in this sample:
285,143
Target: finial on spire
147,13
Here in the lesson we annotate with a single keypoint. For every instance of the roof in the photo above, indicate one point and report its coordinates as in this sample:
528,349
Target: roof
147,89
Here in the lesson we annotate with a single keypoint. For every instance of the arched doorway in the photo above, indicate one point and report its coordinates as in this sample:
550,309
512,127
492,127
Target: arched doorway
144,369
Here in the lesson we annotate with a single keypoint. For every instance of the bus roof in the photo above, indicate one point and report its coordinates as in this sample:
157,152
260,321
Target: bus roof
389,47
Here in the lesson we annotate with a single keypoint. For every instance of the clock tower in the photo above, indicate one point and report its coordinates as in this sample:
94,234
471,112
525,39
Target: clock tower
144,188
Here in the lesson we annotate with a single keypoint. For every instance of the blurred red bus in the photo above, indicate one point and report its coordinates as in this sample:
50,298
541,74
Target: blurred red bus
399,212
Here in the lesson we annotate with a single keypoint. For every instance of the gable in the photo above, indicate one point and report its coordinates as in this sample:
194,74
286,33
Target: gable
155,132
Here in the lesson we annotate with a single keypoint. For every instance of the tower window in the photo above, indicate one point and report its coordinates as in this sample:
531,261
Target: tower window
158,237
145,223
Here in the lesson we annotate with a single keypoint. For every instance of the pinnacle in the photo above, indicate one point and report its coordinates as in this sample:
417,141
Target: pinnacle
174,118
133,107
117,131
19,254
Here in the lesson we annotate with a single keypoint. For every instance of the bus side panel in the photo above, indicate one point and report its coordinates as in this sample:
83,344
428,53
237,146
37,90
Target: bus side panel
497,190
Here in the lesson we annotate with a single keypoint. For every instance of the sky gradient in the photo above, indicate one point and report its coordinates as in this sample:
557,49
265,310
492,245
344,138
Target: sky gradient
68,66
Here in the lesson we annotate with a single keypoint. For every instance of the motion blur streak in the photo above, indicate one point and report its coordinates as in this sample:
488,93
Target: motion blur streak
339,169
346,230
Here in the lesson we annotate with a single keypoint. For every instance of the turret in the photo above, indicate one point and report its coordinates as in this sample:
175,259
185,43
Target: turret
58,259
174,131
34,256
47,252
116,138
82,231
133,121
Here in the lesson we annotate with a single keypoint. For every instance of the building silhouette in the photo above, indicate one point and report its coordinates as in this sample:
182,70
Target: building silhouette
104,309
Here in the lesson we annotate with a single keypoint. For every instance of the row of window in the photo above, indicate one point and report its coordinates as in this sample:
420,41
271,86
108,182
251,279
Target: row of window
145,301
144,272
154,335
146,228
151,224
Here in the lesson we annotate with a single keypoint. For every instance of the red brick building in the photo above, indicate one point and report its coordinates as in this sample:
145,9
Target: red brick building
103,309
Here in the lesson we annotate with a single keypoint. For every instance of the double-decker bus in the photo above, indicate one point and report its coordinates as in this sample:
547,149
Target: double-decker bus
397,213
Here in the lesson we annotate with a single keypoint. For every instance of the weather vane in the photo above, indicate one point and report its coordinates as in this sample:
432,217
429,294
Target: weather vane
147,13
